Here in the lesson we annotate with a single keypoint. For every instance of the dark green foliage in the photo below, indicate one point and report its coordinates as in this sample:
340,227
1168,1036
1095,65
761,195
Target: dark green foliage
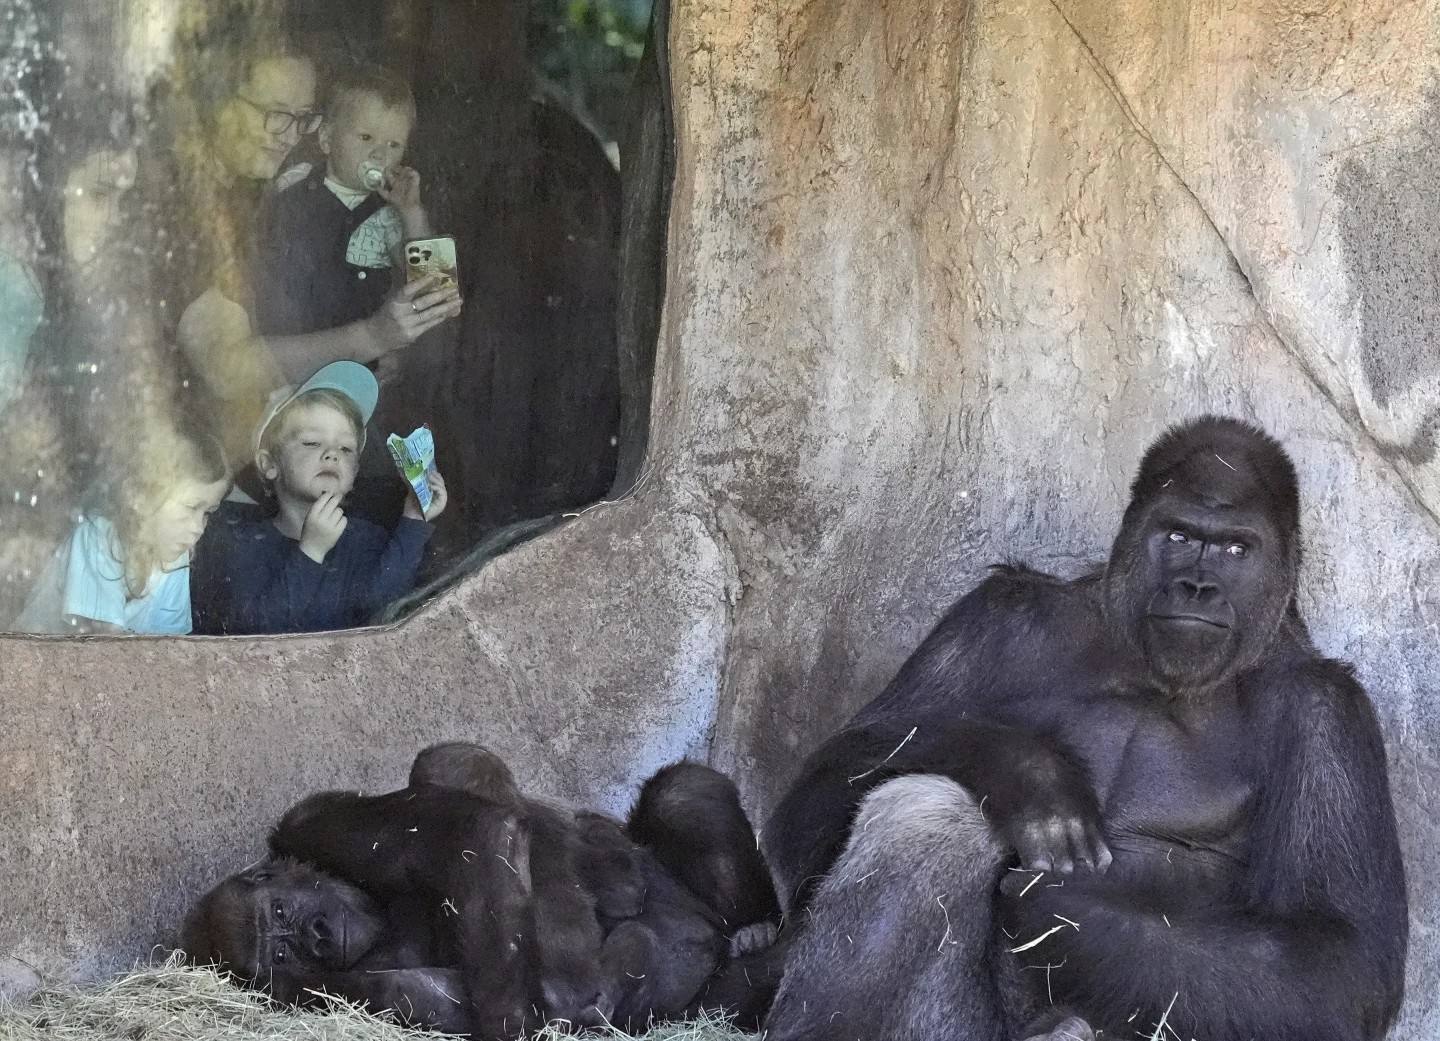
588,49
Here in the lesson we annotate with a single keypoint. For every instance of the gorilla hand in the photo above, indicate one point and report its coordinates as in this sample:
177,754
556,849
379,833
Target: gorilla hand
1058,842
1050,817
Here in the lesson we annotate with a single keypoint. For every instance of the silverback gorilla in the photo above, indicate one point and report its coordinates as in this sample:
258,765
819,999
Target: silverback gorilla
463,906
1135,798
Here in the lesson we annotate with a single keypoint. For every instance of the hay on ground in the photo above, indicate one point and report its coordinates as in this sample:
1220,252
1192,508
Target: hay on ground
173,1002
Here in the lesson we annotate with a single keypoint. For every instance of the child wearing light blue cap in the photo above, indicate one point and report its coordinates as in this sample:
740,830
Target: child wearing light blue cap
310,567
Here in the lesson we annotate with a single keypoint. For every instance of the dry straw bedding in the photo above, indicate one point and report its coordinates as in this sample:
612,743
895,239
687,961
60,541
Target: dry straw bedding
172,1002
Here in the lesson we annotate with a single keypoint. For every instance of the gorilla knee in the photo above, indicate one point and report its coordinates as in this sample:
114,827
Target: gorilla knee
683,797
690,817
898,936
919,818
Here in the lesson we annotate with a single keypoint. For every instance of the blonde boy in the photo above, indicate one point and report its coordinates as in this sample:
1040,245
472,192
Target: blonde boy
311,567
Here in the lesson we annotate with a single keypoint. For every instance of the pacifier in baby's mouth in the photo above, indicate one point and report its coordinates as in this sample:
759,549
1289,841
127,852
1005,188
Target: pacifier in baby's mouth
372,176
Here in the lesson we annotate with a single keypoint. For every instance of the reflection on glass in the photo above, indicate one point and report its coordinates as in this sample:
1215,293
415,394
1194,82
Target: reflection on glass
204,203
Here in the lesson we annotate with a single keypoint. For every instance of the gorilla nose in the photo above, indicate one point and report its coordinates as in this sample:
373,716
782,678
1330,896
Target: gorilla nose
1197,588
321,936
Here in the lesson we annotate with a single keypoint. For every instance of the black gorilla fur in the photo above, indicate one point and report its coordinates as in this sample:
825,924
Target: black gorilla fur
464,906
1191,801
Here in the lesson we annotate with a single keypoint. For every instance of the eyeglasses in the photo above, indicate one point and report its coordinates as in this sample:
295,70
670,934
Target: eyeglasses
278,121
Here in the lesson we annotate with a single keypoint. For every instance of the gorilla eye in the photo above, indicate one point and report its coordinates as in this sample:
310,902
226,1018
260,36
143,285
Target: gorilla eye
279,955
1177,536
279,911
1236,549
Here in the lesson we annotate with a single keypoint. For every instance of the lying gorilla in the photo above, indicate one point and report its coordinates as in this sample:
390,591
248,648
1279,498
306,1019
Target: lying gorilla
465,907
1191,801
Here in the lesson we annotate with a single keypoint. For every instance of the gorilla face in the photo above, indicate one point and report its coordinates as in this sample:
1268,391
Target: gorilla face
280,921
1205,571
1200,574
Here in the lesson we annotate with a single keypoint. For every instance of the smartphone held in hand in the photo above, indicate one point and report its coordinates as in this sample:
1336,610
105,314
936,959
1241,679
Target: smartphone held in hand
435,256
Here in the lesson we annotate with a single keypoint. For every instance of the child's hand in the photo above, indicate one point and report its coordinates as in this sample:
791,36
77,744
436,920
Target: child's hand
324,525
402,189
439,498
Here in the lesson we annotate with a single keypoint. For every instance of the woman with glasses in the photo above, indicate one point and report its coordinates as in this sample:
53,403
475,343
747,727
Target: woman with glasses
240,100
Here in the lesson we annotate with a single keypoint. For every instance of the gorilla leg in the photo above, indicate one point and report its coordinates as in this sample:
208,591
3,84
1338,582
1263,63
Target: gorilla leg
691,818
584,871
900,936
663,957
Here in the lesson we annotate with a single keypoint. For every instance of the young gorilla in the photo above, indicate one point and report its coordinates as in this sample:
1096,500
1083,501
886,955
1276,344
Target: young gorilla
599,956
686,838
465,907
1191,801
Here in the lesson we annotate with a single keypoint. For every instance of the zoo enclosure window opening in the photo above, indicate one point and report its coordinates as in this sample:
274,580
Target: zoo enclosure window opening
206,202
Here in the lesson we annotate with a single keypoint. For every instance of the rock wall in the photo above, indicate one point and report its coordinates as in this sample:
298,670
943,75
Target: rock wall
938,271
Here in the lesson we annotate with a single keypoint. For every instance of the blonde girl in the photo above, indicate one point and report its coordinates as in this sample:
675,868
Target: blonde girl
126,567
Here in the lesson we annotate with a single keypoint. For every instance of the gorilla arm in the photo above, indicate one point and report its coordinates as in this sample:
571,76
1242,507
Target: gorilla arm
1311,948
394,844
471,854
1013,639
428,998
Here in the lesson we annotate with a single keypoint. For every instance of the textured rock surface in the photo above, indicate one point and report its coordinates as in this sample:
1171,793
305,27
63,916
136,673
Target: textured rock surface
938,271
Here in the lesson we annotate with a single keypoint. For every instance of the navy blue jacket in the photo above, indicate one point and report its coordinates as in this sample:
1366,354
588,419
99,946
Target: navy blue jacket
246,577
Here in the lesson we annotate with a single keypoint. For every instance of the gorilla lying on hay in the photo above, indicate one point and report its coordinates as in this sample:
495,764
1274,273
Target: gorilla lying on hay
1146,798
465,907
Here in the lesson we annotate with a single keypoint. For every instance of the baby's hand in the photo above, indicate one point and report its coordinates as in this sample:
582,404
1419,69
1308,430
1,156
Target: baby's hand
402,189
324,525
437,501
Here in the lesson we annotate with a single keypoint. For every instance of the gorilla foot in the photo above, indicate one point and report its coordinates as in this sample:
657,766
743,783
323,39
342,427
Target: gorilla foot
1072,1029
754,938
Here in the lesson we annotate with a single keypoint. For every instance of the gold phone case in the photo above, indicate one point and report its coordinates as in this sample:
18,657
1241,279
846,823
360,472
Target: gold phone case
434,256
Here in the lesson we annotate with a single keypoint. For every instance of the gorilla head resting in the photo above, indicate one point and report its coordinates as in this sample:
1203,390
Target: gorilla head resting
281,919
